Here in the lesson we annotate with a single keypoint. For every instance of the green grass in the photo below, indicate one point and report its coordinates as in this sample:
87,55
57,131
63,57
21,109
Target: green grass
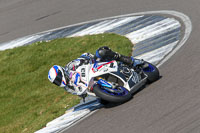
27,99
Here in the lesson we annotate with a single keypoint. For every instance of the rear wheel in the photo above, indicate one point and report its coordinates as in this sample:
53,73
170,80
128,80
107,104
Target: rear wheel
118,94
152,72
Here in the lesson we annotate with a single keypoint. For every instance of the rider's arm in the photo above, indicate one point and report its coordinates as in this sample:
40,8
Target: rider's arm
76,86
70,89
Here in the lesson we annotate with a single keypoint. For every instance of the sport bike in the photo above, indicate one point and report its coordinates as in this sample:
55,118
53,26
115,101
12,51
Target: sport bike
114,81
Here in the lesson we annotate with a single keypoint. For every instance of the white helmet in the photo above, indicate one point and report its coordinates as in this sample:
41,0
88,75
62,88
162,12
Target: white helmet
58,76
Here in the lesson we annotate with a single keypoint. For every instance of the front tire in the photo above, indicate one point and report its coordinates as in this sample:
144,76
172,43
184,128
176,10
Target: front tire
112,97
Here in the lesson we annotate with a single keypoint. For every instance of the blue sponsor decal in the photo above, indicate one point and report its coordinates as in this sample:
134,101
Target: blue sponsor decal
76,80
56,68
95,64
63,82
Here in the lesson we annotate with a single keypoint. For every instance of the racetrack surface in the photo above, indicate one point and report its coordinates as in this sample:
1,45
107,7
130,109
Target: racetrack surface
169,105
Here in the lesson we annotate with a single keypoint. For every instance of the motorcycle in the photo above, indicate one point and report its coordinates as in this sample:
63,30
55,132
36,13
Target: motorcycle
114,81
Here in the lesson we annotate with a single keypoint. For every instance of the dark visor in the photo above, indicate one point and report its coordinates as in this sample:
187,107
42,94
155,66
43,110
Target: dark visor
58,79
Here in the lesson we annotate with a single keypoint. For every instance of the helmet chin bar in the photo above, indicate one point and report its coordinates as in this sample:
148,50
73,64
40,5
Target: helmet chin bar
66,75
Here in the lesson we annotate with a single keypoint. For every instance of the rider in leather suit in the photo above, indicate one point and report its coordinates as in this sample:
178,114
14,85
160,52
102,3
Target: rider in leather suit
67,77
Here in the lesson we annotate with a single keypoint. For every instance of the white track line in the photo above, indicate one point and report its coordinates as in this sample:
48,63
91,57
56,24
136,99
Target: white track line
104,26
157,55
153,30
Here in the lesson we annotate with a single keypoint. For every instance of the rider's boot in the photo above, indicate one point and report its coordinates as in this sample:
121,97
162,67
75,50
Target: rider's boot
125,59
132,61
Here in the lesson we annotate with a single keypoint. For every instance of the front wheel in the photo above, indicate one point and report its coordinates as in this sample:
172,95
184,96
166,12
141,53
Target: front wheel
152,72
118,95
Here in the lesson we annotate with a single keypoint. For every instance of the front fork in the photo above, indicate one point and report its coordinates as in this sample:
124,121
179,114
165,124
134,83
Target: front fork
109,86
101,81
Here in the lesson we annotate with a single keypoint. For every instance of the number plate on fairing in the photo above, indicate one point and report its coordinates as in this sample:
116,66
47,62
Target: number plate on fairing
83,71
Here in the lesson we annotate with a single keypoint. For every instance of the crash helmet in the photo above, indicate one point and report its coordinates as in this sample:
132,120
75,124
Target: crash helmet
58,75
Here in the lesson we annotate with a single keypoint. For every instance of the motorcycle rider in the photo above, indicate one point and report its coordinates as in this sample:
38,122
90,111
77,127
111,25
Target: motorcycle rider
70,80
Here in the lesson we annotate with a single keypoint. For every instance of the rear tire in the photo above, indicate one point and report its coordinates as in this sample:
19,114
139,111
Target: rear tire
152,72
100,92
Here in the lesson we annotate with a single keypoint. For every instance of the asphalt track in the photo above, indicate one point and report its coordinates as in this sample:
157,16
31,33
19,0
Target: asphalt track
170,105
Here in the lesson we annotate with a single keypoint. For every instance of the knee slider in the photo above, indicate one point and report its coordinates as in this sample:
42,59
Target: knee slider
102,53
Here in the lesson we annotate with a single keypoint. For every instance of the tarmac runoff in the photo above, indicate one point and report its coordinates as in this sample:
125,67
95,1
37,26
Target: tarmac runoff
157,35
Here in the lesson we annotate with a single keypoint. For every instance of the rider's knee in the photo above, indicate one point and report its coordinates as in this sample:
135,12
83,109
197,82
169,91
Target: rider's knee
103,52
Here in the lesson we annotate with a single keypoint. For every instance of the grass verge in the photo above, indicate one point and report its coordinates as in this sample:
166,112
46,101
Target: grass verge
28,99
